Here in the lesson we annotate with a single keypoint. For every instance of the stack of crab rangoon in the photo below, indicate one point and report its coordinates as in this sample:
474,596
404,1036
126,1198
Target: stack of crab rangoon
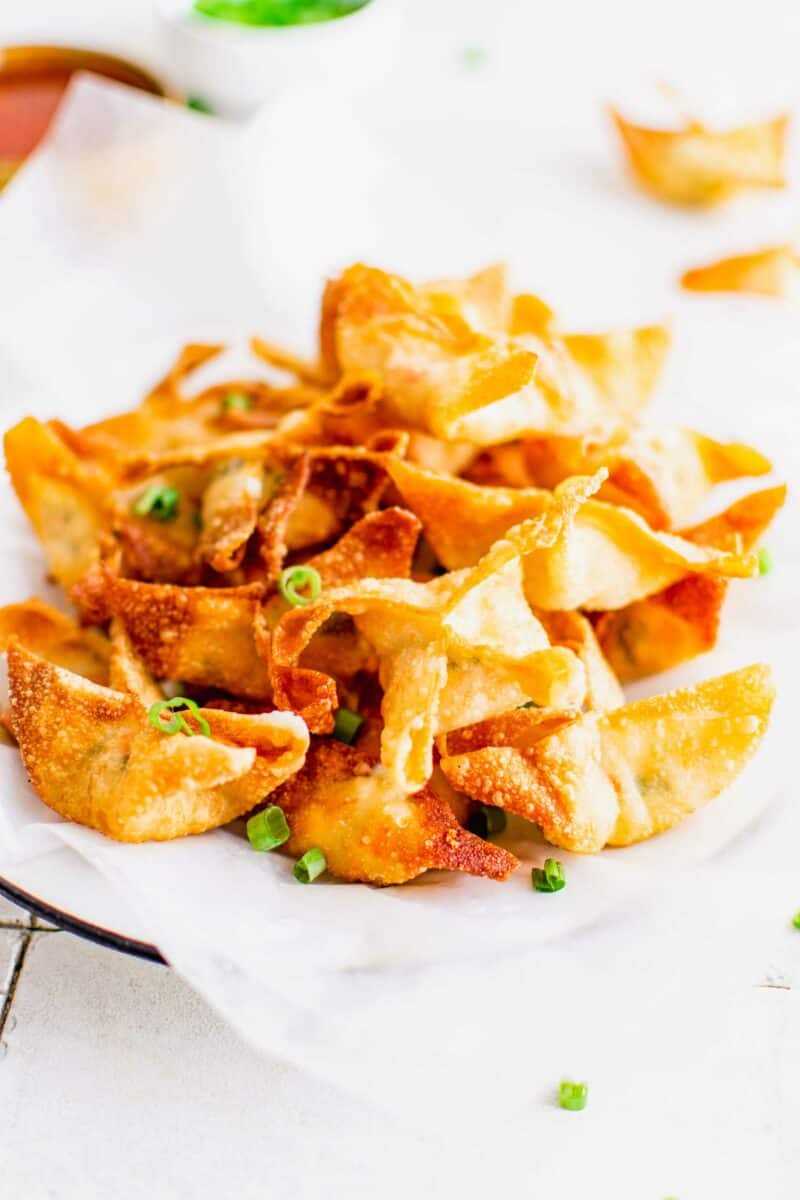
387,593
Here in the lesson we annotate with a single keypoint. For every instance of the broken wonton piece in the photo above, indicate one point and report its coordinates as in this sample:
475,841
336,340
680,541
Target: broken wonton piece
605,558
697,165
681,622
769,272
343,805
626,775
94,757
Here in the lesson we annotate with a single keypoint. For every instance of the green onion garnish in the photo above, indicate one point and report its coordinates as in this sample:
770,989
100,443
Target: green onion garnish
293,578
573,1096
765,561
551,879
198,104
307,868
346,725
238,400
159,502
796,920
474,57
486,820
277,12
268,828
175,720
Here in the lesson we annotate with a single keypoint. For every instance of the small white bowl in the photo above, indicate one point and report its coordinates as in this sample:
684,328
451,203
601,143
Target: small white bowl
236,68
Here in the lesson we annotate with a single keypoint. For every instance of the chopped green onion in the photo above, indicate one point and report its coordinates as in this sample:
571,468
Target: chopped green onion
486,820
530,704
346,725
238,400
307,868
293,578
765,561
277,12
551,879
198,104
268,828
796,920
175,720
159,502
474,57
573,1096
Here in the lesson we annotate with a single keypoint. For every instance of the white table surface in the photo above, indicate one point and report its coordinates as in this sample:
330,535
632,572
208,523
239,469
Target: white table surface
115,1080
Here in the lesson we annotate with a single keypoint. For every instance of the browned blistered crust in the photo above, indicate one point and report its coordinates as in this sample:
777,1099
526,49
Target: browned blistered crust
338,804
94,757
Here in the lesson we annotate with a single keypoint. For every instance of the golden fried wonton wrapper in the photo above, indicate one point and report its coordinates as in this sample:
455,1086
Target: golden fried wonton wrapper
458,648
206,636
621,366
94,757
482,300
574,631
769,272
675,625
301,499
64,496
340,803
606,558
626,775
664,476
53,635
697,165
444,377
167,419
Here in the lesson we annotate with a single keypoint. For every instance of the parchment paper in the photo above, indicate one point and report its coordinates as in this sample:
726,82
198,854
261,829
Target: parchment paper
140,226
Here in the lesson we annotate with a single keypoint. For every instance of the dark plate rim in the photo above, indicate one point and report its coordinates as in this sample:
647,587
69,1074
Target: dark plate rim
85,929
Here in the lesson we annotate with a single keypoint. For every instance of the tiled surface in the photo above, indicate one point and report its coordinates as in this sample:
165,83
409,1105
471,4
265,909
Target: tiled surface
187,1103
115,1080
10,914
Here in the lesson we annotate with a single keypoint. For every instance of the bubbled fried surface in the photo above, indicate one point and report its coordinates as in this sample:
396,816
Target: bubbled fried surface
369,832
94,757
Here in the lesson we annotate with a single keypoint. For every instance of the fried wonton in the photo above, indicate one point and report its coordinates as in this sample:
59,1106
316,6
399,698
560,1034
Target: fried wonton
51,634
663,475
168,419
769,272
606,558
620,777
64,496
207,636
622,366
342,803
94,757
698,165
458,648
574,631
442,376
681,622
284,498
